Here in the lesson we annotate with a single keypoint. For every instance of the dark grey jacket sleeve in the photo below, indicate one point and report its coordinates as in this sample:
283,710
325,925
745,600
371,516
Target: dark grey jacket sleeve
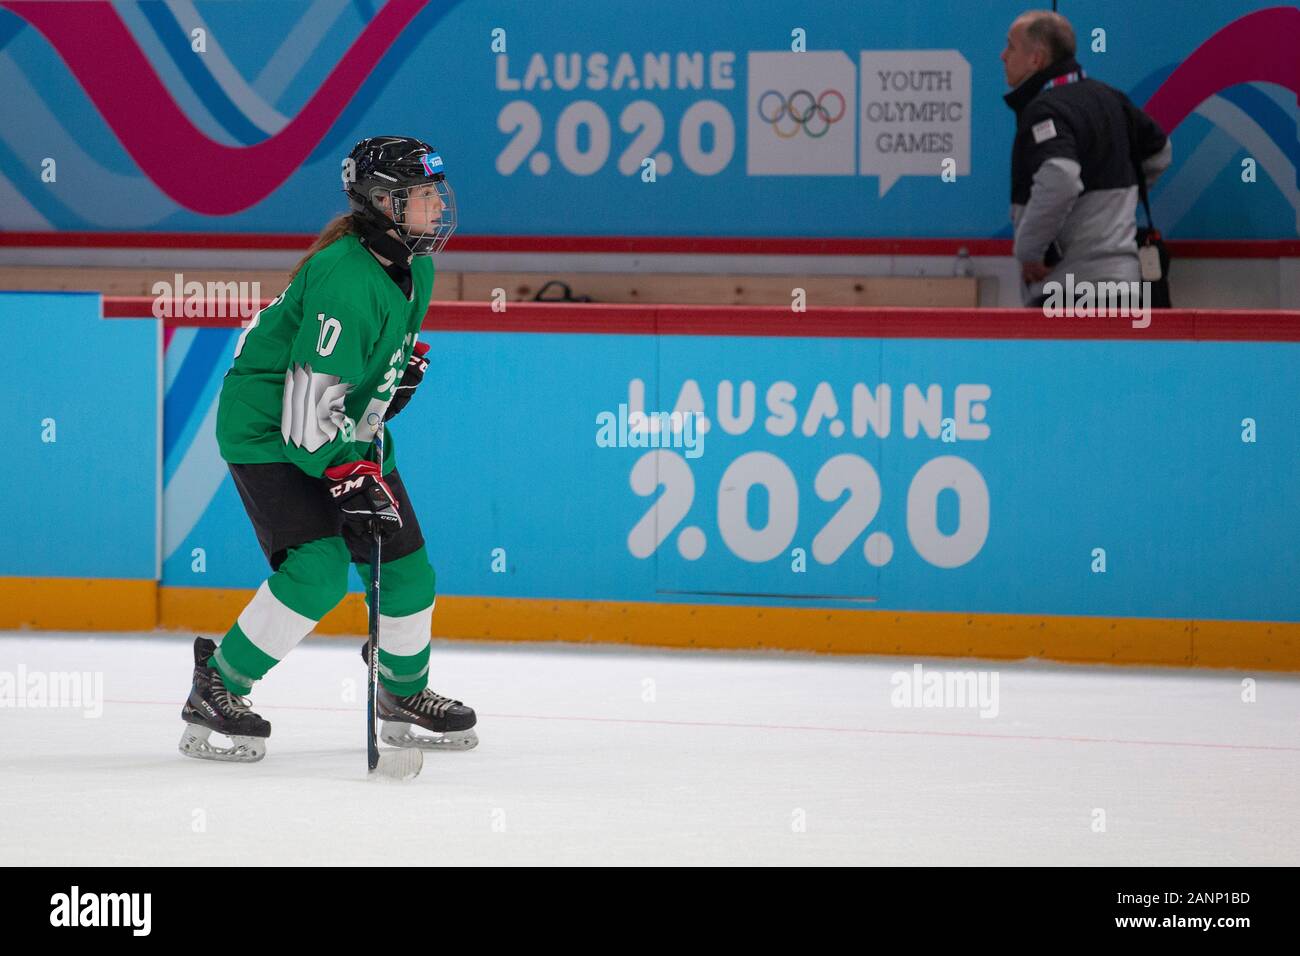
1054,163
1149,142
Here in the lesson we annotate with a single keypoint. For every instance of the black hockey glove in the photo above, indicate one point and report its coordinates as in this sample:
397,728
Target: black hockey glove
365,499
411,379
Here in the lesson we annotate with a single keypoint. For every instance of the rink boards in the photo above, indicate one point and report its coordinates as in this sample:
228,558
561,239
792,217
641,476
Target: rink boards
973,483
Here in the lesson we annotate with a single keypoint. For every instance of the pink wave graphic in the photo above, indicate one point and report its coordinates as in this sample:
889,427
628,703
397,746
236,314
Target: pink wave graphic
1261,47
202,175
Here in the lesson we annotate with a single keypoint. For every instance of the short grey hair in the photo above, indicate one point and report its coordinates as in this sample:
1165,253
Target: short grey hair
1051,31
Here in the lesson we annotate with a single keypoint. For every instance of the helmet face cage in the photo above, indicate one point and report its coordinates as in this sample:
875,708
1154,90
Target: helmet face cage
425,242
394,168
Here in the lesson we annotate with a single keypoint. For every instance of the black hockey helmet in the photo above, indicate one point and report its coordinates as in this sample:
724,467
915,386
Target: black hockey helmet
393,167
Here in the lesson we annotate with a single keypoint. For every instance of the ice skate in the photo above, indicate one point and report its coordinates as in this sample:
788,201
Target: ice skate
446,724
213,707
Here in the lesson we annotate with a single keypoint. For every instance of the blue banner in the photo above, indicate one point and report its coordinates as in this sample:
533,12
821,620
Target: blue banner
622,119
1149,479
83,398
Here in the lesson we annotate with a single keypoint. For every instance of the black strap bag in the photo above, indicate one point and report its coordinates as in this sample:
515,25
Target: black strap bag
1153,256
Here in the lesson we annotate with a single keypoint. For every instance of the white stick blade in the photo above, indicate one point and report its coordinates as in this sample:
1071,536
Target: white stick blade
399,764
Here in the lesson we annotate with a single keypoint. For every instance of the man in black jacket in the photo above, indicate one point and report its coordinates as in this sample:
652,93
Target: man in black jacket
1073,187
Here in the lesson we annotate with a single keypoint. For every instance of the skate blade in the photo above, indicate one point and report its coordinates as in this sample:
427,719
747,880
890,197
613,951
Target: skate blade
195,743
399,735
398,764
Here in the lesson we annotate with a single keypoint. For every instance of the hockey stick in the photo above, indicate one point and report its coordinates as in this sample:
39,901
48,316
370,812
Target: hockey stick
405,763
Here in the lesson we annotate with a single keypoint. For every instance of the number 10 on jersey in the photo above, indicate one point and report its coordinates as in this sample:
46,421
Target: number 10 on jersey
329,334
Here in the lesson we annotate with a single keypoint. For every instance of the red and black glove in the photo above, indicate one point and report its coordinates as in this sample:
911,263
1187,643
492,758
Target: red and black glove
411,378
367,503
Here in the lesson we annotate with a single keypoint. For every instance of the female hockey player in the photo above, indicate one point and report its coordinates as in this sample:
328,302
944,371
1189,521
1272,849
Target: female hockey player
314,375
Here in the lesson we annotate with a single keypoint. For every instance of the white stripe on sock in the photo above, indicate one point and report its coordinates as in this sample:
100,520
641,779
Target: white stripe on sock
405,635
273,626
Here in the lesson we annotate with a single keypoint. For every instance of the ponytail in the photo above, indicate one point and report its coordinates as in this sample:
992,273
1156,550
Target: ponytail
338,227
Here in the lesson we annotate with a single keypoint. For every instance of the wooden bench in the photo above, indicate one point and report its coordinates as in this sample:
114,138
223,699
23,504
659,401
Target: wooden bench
625,287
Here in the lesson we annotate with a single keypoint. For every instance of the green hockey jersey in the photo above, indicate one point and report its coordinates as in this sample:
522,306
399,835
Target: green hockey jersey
315,370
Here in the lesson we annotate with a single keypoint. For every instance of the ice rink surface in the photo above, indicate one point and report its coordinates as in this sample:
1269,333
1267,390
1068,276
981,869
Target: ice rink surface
595,754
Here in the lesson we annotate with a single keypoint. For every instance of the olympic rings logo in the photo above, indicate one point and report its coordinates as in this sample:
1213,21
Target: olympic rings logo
799,114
